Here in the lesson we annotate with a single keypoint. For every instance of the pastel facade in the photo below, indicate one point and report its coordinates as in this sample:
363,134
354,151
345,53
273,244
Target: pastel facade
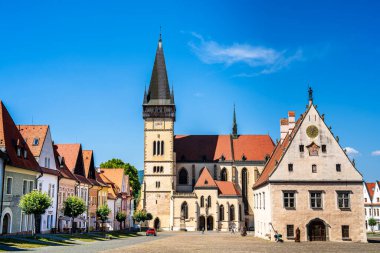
309,183
20,175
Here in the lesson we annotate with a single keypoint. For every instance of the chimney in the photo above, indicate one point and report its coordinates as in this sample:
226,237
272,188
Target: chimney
291,121
284,128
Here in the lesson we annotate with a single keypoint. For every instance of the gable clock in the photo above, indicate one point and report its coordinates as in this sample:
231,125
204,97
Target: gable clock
312,131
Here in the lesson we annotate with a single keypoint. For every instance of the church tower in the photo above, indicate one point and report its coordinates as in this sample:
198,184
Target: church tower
159,158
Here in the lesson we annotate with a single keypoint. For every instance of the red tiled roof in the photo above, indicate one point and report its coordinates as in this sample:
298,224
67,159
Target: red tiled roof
50,171
10,138
64,171
213,147
277,155
70,152
227,188
371,189
114,175
253,147
205,179
87,158
31,132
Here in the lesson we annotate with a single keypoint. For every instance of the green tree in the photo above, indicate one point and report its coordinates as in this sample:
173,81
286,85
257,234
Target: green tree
129,170
149,216
72,207
372,223
141,216
121,217
35,203
103,213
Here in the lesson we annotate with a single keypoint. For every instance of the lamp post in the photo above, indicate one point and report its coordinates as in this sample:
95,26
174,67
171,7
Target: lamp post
206,216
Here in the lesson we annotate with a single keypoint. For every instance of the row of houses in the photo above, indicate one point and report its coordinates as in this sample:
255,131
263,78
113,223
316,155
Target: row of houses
372,204
30,160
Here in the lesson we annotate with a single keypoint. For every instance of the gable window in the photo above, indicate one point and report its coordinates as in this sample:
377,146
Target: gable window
314,168
9,185
316,200
223,174
35,141
221,213
344,200
202,201
324,149
18,152
290,231
338,168
183,177
25,154
302,148
184,210
290,167
289,199
345,232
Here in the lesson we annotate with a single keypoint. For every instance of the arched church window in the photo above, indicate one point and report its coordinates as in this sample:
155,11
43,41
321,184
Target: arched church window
223,174
154,148
221,213
154,169
161,169
232,213
244,186
158,148
202,201
184,210
209,201
162,147
183,177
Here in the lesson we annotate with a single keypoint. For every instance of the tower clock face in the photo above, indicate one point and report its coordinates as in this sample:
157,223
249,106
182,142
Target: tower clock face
312,131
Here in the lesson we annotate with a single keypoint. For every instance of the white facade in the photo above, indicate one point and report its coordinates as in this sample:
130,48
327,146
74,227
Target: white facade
372,204
263,212
48,183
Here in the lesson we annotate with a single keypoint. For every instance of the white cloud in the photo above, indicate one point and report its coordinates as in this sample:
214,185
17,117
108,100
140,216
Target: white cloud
263,59
351,151
376,153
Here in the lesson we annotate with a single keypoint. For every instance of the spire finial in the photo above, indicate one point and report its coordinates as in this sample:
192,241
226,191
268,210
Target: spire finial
234,125
160,34
310,91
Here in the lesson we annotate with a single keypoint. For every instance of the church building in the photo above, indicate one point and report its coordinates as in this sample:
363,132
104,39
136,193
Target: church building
196,182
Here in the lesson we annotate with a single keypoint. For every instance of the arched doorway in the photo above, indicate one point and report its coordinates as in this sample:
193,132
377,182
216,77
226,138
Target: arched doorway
6,224
210,223
317,230
157,223
201,223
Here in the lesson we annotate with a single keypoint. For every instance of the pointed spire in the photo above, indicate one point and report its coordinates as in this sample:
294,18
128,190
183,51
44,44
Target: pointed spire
172,96
310,91
234,125
145,96
159,84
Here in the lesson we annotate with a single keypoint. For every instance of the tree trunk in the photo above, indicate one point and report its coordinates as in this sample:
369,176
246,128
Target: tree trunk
72,225
37,223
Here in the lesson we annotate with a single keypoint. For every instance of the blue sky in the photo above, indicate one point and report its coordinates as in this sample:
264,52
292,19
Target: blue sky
81,67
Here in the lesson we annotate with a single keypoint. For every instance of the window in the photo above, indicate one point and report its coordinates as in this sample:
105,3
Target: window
244,188
344,200
223,174
25,154
377,199
161,169
324,149
314,168
232,213
209,201
290,231
345,232
183,177
302,148
25,187
35,141
49,190
31,186
260,200
9,185
40,186
221,213
184,210
18,152
158,184
263,200
289,200
338,168
365,199
202,201
154,148
316,200
290,167
162,147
